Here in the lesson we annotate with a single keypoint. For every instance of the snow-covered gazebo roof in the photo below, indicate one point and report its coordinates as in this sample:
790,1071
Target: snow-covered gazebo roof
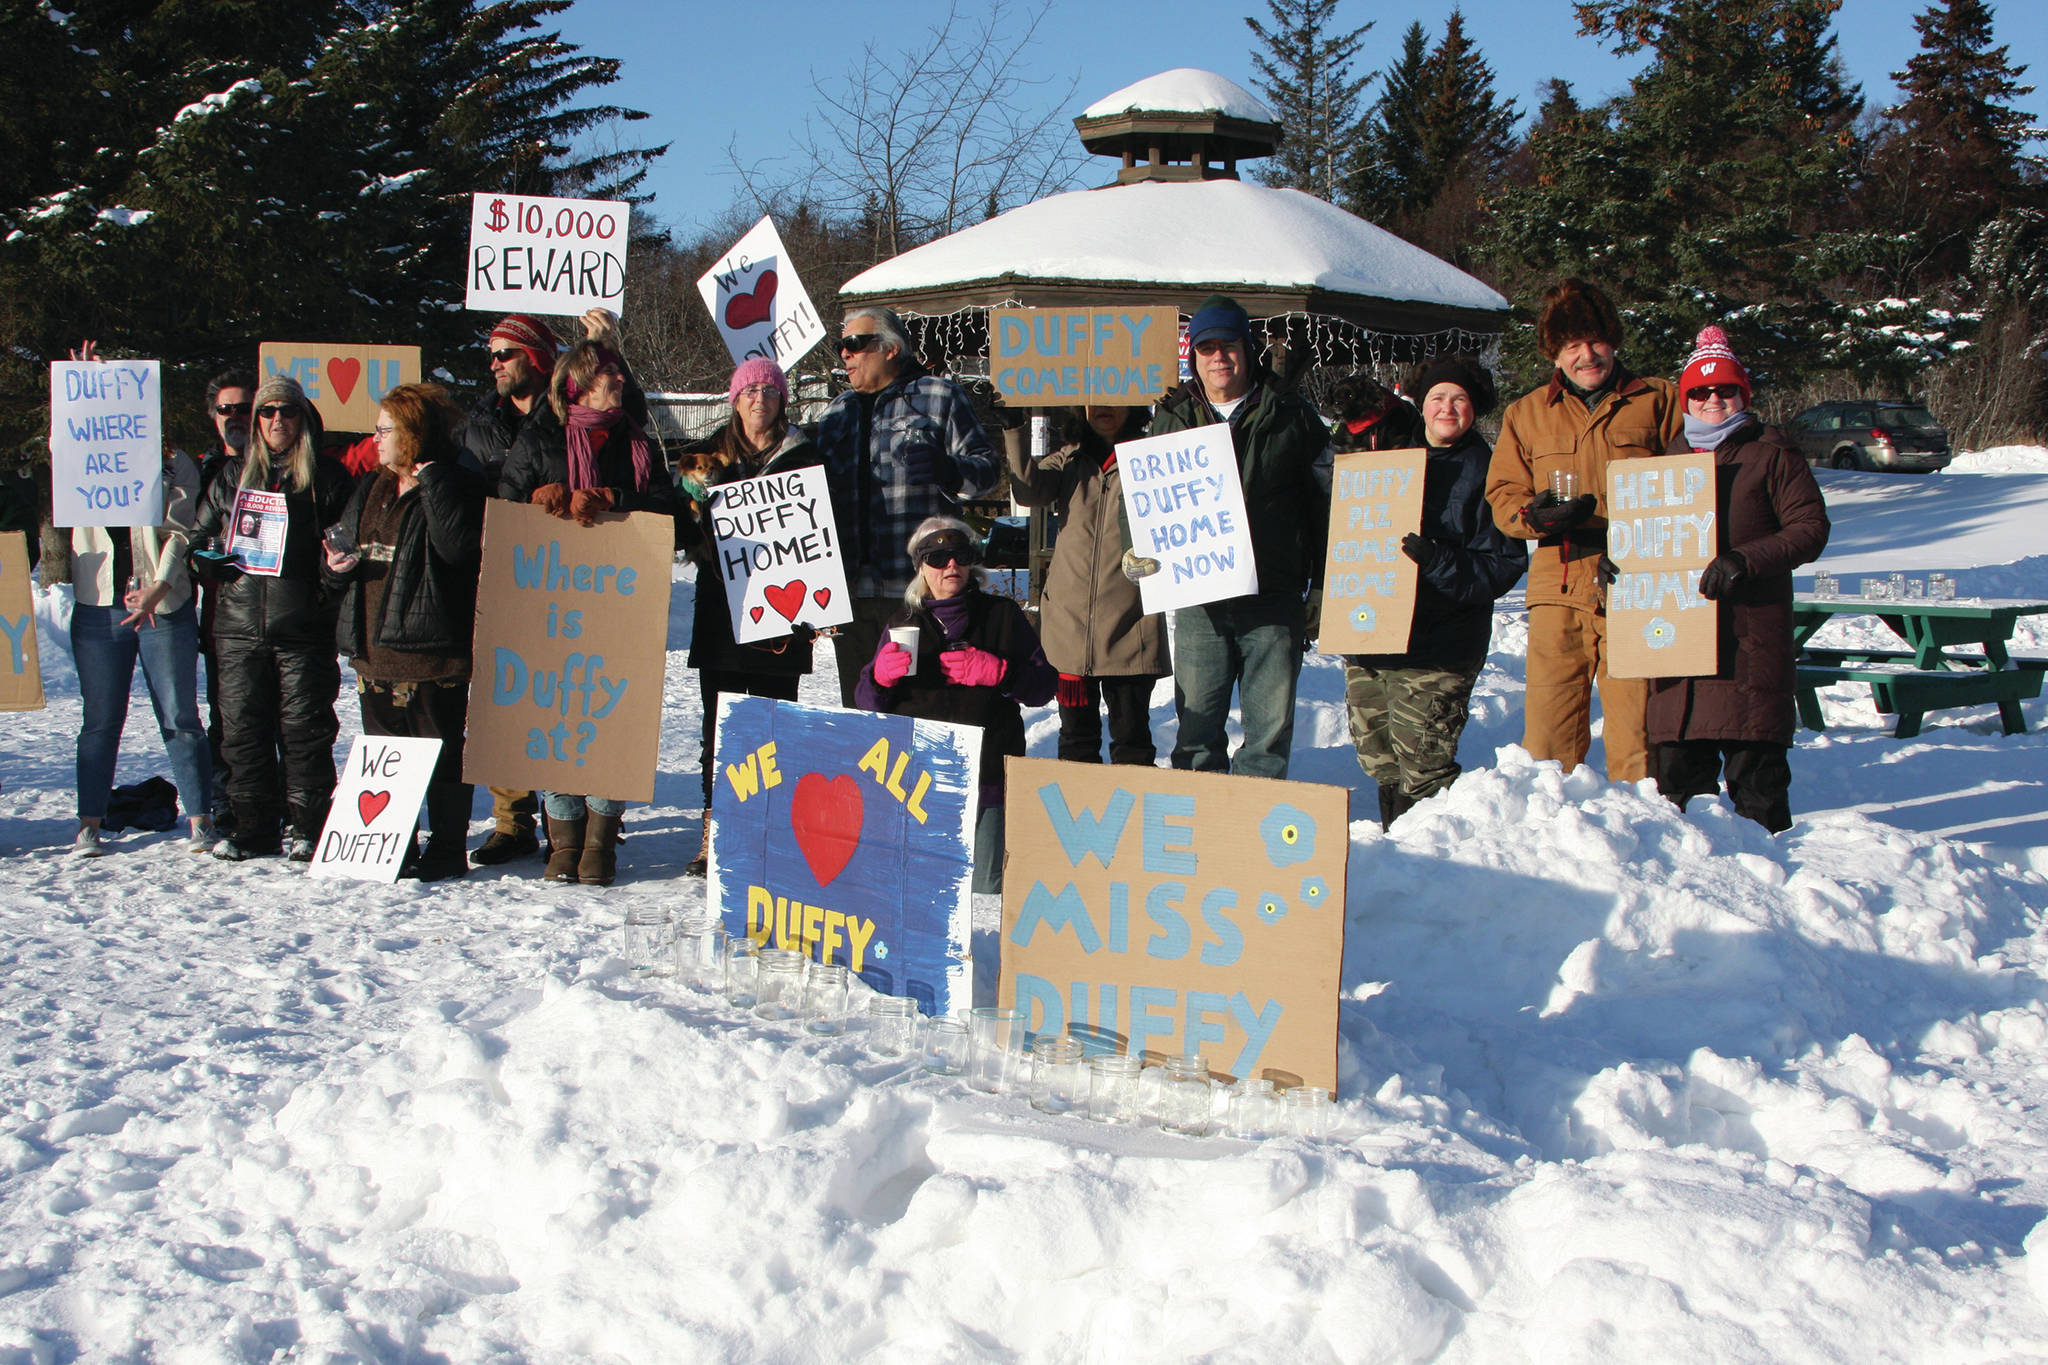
1179,225
1276,251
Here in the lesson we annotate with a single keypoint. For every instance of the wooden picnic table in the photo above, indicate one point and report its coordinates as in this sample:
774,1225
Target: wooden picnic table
1927,675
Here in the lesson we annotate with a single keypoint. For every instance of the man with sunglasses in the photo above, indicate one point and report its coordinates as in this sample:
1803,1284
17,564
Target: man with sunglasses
1592,412
899,445
522,359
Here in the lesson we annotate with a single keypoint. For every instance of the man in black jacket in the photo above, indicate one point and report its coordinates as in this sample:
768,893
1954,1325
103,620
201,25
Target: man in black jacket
522,352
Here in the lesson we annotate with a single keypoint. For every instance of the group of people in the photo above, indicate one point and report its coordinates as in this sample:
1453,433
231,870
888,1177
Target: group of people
382,548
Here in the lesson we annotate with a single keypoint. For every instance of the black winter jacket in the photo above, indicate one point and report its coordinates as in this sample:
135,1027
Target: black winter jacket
430,593
1454,596
540,456
293,608
493,425
712,646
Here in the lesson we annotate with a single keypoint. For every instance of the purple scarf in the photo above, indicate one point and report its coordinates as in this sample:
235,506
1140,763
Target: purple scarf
583,454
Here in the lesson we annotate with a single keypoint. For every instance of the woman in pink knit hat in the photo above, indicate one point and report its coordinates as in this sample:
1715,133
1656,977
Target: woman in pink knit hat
756,440
1740,722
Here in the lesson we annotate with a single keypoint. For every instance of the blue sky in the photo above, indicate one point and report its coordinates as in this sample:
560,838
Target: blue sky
741,73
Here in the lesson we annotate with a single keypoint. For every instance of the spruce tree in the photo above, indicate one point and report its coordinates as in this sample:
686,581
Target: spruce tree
1386,183
1710,192
1304,67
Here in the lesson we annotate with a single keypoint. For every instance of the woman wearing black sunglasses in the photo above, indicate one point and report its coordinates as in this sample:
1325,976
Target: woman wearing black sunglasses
1772,519
978,662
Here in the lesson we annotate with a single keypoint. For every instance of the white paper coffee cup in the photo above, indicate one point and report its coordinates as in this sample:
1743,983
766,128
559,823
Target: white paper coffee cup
906,637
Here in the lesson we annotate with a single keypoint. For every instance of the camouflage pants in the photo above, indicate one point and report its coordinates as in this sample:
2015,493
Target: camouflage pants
1405,724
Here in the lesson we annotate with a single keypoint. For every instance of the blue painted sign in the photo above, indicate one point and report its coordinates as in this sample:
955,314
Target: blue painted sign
849,836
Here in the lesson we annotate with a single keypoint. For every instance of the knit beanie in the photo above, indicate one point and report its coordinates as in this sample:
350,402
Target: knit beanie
759,370
283,389
1712,362
530,335
1219,319
1455,369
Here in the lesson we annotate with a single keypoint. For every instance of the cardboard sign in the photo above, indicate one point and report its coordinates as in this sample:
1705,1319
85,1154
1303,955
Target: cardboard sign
758,302
1661,532
369,826
530,255
257,530
777,551
1112,357
1153,911
849,836
21,669
571,652
1186,510
346,383
106,443
1368,584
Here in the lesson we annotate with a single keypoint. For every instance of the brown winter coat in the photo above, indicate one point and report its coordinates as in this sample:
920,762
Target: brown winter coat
1771,511
1090,619
1549,428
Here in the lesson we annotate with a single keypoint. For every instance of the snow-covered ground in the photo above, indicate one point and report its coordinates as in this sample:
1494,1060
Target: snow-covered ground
1618,1084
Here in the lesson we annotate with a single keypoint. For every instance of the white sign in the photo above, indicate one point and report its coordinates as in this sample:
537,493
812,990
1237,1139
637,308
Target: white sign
256,531
758,302
369,827
778,554
1186,510
106,443
559,256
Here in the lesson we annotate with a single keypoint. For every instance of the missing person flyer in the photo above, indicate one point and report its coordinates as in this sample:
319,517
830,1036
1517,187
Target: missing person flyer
256,531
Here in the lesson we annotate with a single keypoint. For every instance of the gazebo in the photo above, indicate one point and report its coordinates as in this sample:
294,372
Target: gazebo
1178,225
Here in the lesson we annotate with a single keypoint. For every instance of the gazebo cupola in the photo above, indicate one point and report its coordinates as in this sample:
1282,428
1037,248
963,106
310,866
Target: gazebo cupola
1183,124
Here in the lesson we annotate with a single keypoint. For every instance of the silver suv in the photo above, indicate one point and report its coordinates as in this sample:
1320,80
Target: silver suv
1900,438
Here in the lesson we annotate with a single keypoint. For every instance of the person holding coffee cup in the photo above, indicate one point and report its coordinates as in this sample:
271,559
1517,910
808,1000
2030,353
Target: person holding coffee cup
977,662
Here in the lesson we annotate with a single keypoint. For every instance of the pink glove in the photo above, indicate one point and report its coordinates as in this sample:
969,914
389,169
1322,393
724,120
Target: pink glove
971,667
892,664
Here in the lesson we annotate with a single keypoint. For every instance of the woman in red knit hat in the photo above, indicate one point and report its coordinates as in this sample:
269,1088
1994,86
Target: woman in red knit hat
1771,519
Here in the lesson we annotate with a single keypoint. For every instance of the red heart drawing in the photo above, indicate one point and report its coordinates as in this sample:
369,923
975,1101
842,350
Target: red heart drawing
342,376
370,805
825,814
788,600
754,613
744,310
822,596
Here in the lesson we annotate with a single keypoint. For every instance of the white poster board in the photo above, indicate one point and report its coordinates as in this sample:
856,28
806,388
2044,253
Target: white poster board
1186,510
106,443
531,255
758,302
777,552
369,827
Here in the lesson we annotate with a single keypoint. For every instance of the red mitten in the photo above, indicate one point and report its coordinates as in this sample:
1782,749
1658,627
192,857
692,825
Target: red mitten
586,503
553,499
892,664
971,667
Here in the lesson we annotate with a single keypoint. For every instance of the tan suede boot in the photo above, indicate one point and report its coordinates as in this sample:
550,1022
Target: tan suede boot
567,838
600,861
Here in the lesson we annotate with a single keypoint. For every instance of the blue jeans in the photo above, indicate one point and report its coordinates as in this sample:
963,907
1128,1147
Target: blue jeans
568,806
1252,644
105,651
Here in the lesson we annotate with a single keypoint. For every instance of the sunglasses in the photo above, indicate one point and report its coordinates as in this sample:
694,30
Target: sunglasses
856,342
277,412
504,357
946,559
1702,394
232,409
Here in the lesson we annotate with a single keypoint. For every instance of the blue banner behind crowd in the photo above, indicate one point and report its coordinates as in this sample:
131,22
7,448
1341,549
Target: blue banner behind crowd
849,835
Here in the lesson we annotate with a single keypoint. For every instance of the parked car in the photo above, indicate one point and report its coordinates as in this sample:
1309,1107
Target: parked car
1868,434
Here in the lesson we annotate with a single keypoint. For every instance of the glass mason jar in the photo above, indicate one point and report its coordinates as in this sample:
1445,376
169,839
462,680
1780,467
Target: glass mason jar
892,1025
1254,1109
742,961
1308,1111
825,998
1058,1077
647,946
1184,1102
779,987
700,951
1113,1087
